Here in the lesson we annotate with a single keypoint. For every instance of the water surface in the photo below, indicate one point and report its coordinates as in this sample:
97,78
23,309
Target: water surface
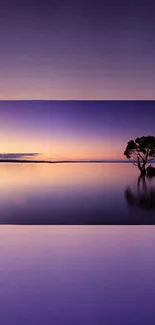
75,194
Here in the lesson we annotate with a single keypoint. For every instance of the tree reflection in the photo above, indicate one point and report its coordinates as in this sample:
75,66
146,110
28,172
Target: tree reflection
143,197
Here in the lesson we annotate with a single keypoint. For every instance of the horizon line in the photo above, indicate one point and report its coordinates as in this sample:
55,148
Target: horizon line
67,161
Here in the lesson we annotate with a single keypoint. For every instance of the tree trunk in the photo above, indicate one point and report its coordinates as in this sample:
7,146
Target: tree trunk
143,172
142,169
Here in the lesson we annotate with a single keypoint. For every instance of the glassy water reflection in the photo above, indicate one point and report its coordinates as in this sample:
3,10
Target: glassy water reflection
74,194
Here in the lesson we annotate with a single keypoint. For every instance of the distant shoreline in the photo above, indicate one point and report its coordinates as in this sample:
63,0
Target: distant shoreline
19,161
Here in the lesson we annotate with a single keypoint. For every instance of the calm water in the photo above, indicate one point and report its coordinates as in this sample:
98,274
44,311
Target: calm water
77,275
75,194
81,275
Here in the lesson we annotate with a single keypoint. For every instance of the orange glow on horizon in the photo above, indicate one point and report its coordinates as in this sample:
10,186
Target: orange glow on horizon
66,149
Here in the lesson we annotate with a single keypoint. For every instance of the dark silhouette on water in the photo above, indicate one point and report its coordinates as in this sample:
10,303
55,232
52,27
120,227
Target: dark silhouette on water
150,171
141,150
143,198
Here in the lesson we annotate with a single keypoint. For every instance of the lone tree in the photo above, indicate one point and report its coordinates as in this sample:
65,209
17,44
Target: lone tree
141,151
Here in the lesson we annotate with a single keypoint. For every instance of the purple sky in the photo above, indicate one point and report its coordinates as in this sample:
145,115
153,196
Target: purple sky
73,129
77,49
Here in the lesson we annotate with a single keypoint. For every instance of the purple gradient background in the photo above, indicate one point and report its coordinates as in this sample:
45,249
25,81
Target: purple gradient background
77,275
81,50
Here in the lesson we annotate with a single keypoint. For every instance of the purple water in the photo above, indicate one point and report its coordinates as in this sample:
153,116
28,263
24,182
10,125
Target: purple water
75,194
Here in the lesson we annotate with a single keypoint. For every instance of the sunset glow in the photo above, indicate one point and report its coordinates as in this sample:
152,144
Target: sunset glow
59,130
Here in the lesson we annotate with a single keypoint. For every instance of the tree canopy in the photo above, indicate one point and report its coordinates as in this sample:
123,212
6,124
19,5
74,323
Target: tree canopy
141,151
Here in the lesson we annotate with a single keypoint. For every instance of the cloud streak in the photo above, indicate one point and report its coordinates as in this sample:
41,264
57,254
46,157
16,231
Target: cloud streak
17,155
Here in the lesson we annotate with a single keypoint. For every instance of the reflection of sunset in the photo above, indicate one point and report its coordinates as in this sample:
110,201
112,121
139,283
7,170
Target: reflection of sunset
20,179
21,175
72,193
